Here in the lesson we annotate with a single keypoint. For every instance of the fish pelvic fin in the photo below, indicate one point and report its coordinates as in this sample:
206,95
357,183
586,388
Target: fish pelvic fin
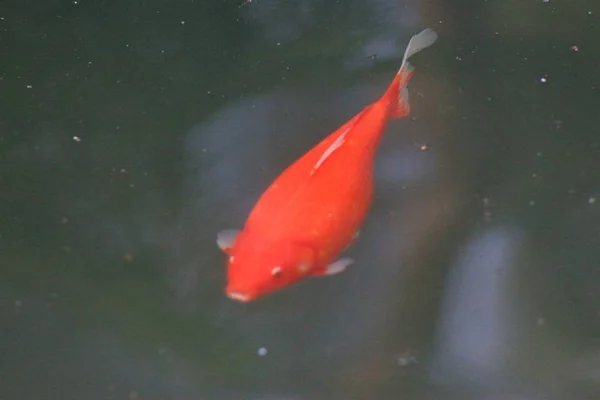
397,93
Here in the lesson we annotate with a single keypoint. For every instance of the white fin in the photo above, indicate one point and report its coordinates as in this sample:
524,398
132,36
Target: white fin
404,95
333,147
419,42
338,266
226,238
244,298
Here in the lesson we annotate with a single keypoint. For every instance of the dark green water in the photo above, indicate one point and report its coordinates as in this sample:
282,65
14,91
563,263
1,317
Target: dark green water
132,132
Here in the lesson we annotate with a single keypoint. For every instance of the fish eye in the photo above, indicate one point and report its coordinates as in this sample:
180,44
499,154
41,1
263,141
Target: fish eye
276,271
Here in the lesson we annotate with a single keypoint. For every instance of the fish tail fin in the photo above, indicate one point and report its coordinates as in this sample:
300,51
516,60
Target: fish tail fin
397,91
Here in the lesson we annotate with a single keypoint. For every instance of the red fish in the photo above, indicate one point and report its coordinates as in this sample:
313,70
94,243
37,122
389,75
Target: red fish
313,211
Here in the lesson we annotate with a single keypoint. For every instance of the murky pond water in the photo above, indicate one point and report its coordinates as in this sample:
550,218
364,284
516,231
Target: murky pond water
132,132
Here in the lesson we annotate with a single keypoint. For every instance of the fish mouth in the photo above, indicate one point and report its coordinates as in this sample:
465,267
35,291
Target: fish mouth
238,296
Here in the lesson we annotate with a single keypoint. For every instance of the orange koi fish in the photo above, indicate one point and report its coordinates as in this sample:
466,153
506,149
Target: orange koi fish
313,211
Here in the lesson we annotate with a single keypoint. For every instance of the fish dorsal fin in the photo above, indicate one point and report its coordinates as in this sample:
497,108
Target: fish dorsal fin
329,151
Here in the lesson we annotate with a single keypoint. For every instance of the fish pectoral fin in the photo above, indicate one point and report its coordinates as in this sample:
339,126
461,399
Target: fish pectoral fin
226,239
335,267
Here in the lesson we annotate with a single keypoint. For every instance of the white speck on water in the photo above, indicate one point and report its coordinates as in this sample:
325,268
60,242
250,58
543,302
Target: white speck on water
77,139
29,86
182,22
592,200
405,360
262,351
545,1
543,80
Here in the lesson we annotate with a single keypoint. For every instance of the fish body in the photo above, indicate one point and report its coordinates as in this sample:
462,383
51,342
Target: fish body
313,210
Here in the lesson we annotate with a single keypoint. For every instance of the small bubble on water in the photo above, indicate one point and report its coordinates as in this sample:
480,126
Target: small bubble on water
262,351
543,80
77,139
592,200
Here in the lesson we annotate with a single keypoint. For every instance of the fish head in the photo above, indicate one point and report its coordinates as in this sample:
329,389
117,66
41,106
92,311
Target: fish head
254,270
